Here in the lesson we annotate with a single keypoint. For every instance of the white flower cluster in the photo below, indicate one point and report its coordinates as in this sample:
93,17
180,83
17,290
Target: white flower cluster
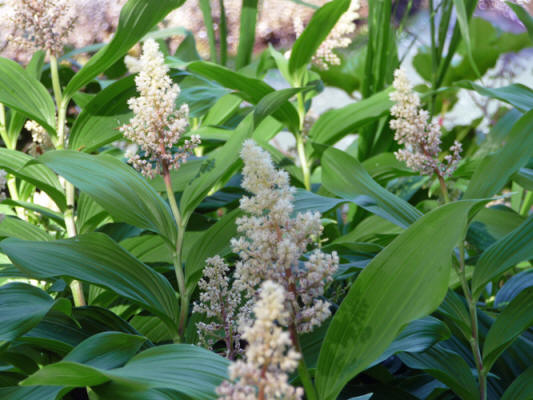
157,126
3,182
220,304
38,134
273,242
339,37
42,24
269,358
420,136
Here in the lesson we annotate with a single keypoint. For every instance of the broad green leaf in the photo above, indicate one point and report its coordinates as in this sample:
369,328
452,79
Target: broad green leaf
496,169
513,287
30,392
22,307
321,23
97,259
17,228
415,282
148,249
309,201
218,167
333,125
190,370
521,388
272,102
100,119
344,176
137,18
55,216
514,319
222,110
16,163
418,336
247,33
503,254
517,95
448,367
21,91
463,20
17,120
106,350
119,189
524,177
250,89
524,16
215,240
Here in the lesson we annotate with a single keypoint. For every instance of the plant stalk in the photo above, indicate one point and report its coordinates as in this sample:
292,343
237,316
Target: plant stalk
75,286
300,145
303,372
474,338
443,189
178,268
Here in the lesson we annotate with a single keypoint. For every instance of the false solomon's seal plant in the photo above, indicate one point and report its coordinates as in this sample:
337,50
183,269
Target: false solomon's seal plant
174,227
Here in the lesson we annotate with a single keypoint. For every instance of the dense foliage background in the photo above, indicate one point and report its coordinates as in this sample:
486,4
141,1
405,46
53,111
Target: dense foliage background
100,266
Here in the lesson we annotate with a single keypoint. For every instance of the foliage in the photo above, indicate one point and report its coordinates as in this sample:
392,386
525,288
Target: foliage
101,266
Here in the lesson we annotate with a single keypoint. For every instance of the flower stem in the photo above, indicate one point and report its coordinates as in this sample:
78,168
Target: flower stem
300,145
303,372
443,189
178,268
474,338
75,286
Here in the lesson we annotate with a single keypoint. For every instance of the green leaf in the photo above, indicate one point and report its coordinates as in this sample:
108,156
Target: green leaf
137,18
222,110
119,189
517,95
21,91
218,167
463,21
521,388
17,228
524,16
247,33
250,89
503,254
321,23
333,125
418,336
514,319
415,283
22,307
100,119
513,287
496,169
448,367
344,176
30,393
97,259
215,240
188,369
106,350
272,102
309,201
20,164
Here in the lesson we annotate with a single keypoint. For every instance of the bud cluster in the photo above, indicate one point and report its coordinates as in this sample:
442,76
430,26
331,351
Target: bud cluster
420,135
157,126
269,357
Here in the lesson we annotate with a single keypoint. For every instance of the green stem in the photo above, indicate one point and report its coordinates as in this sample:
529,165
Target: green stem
14,195
303,372
178,268
75,286
474,337
300,145
443,189
434,55
3,129
526,204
